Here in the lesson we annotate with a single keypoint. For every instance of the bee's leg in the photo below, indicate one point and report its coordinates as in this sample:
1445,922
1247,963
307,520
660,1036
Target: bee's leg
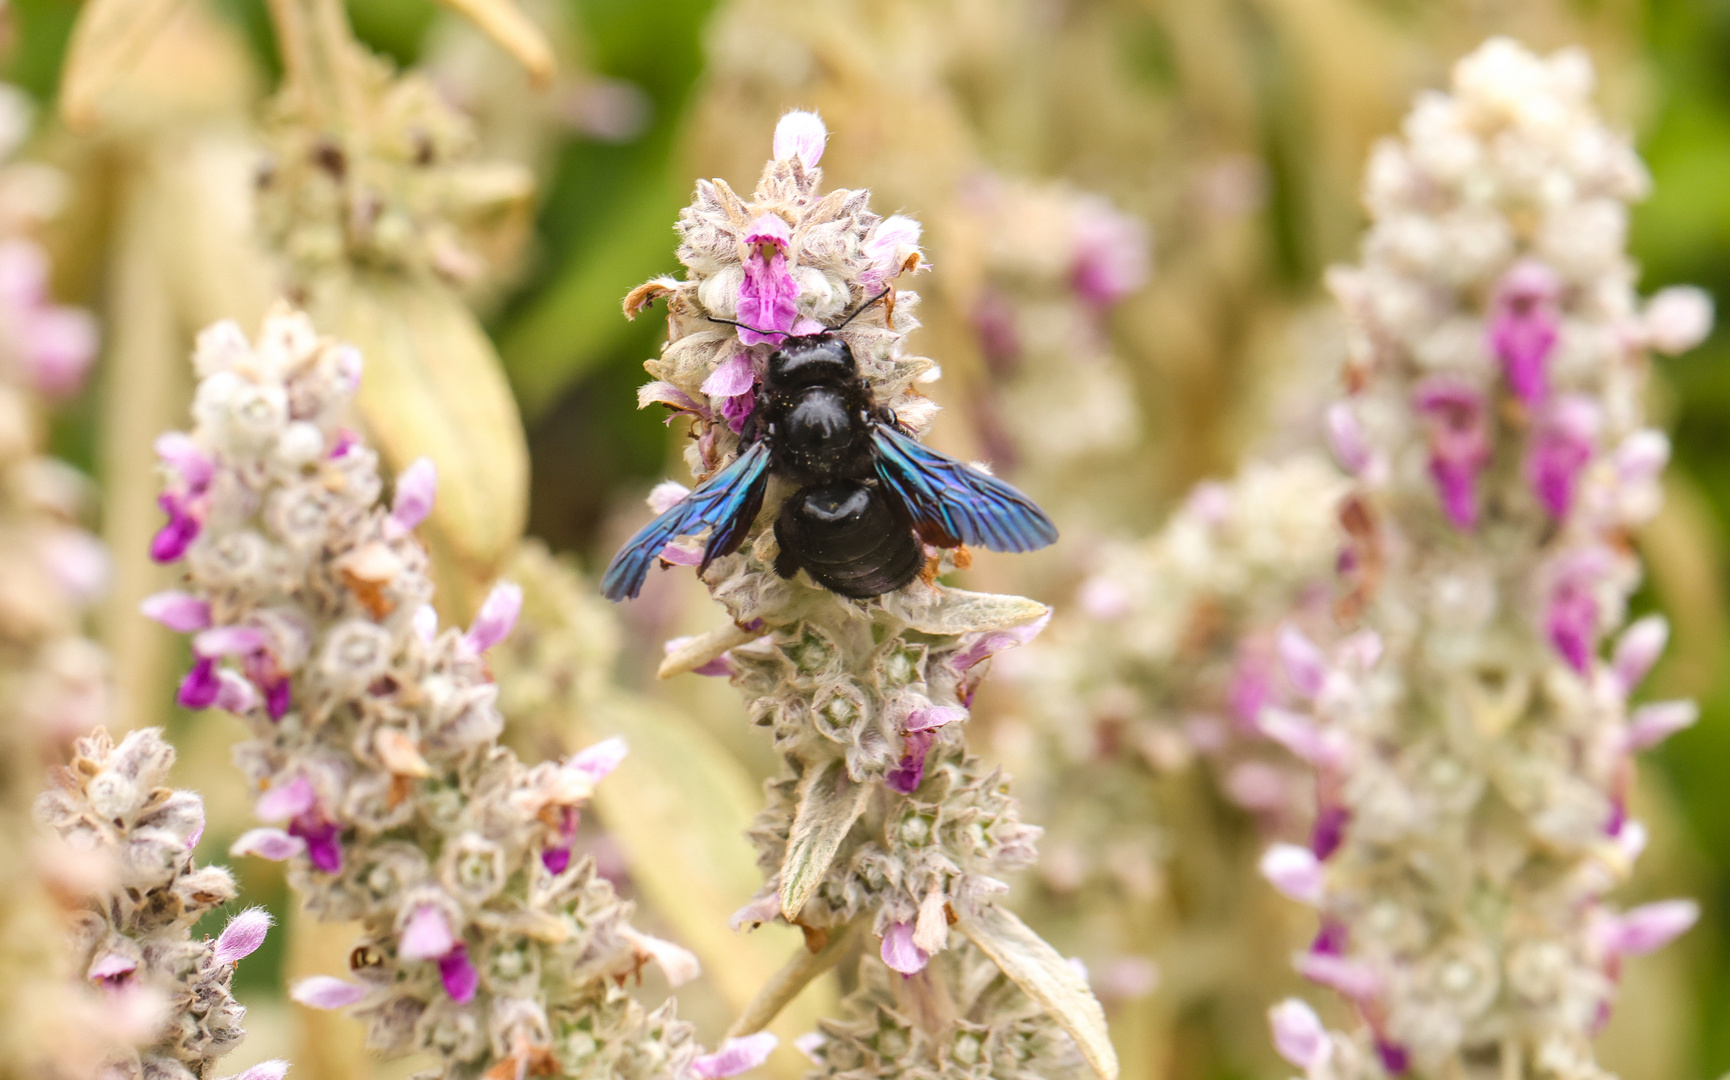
786,563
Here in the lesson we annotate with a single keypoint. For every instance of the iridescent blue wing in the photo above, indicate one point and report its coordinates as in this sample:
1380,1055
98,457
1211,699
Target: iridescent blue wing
953,503
726,502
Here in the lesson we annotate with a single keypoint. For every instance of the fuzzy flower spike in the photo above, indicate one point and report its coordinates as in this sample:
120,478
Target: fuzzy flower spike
131,937
881,826
1472,743
374,742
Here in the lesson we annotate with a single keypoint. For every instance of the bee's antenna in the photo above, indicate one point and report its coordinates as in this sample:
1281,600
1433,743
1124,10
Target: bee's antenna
747,326
862,307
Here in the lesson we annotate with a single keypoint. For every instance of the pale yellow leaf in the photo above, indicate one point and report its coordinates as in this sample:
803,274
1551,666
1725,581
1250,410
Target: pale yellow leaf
829,803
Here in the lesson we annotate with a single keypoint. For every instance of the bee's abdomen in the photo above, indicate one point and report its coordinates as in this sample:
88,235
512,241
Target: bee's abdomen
846,536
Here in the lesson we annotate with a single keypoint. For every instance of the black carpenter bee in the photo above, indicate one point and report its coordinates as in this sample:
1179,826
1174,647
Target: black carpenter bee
868,493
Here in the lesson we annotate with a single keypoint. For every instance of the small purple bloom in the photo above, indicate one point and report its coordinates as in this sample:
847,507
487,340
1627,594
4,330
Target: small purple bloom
1648,927
1524,325
595,762
907,774
459,975
201,686
323,841
111,970
900,953
242,936
1305,667
278,696
1572,621
1331,939
891,244
556,859
1352,978
1563,442
180,612
182,528
416,487
1306,739
1652,724
735,1056
275,1069
1395,1058
291,799
1346,438
767,295
1459,444
235,694
1329,831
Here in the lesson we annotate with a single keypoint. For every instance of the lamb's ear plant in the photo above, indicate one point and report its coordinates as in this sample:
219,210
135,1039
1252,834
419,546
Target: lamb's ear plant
882,835
1474,740
132,937
486,939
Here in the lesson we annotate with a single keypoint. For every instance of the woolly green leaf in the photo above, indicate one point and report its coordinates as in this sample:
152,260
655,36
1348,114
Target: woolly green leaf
1047,978
957,611
829,804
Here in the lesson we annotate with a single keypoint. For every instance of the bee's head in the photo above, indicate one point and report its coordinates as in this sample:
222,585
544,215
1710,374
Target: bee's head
812,358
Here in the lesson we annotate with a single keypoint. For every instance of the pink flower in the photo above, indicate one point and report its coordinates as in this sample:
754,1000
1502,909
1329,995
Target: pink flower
919,732
1563,441
1352,978
272,844
201,686
242,936
1648,927
596,762
1572,615
180,612
275,1069
323,841
735,1056
1304,664
1677,319
767,295
891,244
1459,444
1110,253
1298,1034
900,953
1306,739
185,520
1296,872
426,935
1523,327
327,992
415,488
1638,649
801,135
1346,438
496,618
734,384
1652,724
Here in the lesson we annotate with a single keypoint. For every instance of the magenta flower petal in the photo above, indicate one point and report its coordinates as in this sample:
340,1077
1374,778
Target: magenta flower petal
1306,739
1110,253
1352,978
1303,661
272,844
1459,444
184,456
201,686
1524,326
1346,438
416,487
556,859
909,772
180,612
172,540
732,377
459,975
738,408
242,936
1573,623
1563,442
111,968
235,693
900,953
426,935
497,617
887,249
323,842
735,1056
229,641
327,992
933,717
768,294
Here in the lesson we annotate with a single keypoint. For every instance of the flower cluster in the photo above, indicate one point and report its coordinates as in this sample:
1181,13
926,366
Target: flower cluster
1055,262
880,817
1171,664
397,189
1472,747
167,993
374,735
